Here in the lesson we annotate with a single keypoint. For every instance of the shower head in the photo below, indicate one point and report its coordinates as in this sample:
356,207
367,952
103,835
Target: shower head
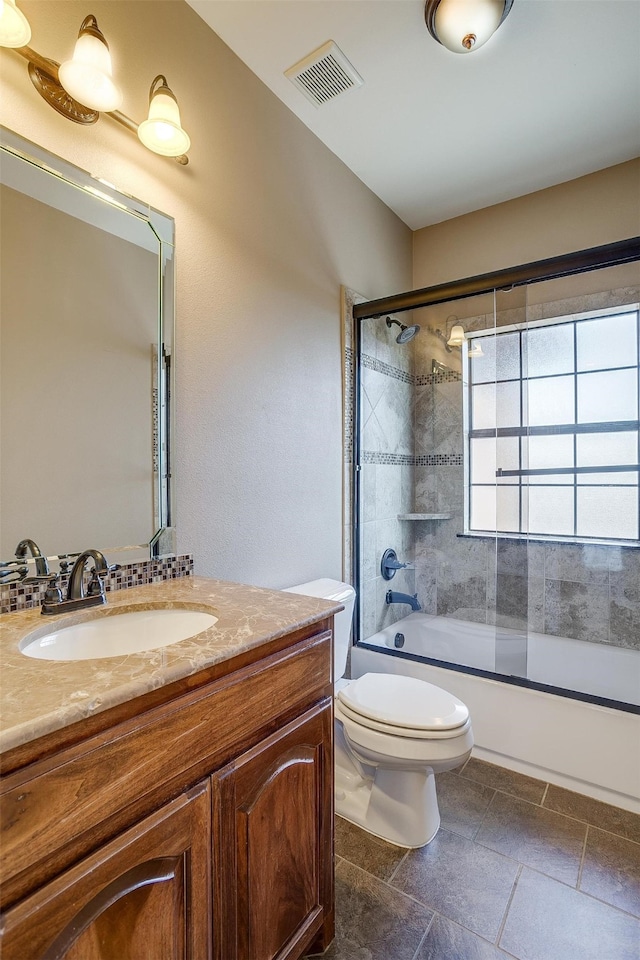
406,333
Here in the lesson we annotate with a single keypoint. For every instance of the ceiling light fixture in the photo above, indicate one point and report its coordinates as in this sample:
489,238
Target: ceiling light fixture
464,25
82,88
14,26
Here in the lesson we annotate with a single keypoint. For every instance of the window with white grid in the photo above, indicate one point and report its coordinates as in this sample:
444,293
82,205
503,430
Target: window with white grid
553,428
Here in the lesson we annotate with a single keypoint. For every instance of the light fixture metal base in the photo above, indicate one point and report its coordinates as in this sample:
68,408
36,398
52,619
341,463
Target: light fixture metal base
57,97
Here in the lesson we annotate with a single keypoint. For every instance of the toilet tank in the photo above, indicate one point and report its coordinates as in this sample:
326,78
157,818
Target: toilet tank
341,593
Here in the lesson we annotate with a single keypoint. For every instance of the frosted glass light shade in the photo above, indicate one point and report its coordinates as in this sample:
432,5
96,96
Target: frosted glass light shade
457,336
14,26
162,131
465,25
87,76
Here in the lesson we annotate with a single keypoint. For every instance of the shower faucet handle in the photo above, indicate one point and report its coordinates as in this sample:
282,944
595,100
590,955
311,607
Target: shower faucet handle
390,564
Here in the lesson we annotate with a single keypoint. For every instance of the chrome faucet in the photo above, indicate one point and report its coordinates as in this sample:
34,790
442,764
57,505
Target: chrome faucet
77,598
42,567
393,597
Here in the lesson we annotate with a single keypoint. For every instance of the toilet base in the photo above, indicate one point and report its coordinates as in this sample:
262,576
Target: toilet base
401,808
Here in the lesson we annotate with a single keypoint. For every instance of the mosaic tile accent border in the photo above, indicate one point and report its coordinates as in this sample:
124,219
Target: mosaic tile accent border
349,374
24,596
439,460
381,367
399,459
409,460
449,376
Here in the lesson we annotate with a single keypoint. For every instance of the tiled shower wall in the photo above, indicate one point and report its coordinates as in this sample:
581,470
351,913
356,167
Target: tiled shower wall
586,592
387,469
412,443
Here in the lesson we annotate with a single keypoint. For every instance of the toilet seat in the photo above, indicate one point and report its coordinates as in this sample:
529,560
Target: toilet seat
404,706
413,733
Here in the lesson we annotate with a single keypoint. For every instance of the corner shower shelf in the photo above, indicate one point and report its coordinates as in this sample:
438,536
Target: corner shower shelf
424,516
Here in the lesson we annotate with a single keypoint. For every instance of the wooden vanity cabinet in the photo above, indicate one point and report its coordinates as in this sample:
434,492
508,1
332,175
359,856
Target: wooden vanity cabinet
200,828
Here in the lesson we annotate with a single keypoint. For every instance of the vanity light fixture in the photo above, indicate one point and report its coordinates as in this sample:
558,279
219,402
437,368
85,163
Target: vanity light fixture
87,76
464,25
457,336
14,26
82,88
162,131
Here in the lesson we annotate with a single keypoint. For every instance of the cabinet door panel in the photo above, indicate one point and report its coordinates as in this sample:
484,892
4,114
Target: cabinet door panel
144,896
278,852
274,815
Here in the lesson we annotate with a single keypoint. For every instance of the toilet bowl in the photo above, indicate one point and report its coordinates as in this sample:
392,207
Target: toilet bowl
392,734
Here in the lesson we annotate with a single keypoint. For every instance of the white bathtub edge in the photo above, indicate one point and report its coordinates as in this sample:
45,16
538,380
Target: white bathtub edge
583,747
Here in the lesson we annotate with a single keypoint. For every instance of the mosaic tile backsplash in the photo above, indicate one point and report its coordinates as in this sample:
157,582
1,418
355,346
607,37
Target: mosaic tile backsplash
22,596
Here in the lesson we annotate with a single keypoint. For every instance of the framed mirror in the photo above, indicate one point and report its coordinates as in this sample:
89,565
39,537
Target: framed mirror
86,346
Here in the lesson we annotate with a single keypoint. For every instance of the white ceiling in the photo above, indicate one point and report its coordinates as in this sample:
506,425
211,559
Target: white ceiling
554,94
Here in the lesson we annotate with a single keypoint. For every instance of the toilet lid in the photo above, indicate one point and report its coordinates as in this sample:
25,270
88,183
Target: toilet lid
403,702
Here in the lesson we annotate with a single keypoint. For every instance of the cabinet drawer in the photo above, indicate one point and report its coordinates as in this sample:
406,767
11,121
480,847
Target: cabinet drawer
57,810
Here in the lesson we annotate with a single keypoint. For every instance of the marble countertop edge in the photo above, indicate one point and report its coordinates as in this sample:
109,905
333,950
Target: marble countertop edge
38,697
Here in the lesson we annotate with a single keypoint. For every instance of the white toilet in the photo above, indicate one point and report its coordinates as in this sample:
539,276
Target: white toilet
392,733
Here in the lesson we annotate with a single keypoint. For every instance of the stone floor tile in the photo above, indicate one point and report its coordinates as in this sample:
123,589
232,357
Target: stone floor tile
461,880
463,803
611,870
366,851
547,841
599,814
449,941
548,920
374,921
517,784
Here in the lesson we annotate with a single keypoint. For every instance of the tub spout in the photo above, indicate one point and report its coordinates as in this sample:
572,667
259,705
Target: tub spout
393,597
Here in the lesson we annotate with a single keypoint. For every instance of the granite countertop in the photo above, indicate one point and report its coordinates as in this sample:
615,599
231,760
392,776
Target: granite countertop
40,696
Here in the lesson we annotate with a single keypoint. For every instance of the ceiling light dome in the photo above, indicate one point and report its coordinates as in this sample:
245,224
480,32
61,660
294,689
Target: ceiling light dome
464,25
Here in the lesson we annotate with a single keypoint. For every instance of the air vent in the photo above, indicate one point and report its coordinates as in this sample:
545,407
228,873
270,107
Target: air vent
324,74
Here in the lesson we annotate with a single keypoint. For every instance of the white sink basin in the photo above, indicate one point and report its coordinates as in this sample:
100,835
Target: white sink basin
131,631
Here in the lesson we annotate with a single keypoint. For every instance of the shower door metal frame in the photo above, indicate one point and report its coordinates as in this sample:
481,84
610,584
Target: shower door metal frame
581,261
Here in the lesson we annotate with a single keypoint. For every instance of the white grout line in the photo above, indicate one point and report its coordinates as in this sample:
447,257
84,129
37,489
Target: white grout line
582,857
424,936
508,906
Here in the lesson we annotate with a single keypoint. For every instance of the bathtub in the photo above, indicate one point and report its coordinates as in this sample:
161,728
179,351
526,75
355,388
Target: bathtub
589,747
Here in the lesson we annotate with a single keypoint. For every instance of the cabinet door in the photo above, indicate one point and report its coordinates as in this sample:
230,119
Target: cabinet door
143,895
273,844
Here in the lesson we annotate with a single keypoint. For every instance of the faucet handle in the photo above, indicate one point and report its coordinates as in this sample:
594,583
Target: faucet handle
95,587
53,593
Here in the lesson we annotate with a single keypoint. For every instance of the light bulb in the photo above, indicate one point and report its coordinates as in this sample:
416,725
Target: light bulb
14,26
87,76
162,131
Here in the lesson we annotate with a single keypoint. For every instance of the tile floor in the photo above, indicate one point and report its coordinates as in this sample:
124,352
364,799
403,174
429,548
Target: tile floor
519,869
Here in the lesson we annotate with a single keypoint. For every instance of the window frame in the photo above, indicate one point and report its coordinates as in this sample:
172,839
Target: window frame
575,429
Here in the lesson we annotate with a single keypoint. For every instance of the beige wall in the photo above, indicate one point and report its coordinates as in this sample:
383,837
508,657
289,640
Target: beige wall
593,210
269,223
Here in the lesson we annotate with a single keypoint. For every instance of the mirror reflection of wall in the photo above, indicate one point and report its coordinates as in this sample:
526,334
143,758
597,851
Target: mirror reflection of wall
80,308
